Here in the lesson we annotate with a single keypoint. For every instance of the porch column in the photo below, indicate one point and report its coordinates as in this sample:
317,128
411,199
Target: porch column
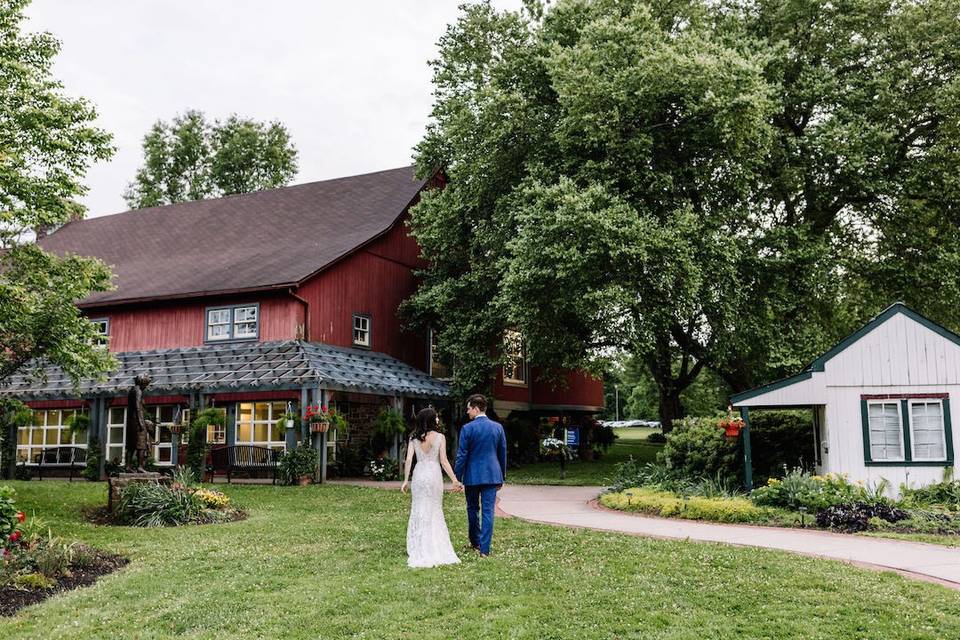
230,424
100,428
747,459
320,439
290,435
304,401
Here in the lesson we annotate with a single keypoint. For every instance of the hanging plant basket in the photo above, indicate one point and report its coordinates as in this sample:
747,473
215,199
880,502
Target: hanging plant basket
732,430
319,427
176,428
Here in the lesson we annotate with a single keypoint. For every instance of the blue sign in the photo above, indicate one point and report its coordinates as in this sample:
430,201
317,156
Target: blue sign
573,437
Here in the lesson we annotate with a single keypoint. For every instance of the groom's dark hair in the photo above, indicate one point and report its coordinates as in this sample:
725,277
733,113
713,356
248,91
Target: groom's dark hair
478,401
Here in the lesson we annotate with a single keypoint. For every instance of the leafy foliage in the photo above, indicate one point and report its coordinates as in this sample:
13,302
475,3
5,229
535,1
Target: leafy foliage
191,159
701,184
298,462
667,504
696,448
47,145
197,446
799,488
856,517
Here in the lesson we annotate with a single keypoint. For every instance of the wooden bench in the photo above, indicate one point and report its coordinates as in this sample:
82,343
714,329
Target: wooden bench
244,457
60,457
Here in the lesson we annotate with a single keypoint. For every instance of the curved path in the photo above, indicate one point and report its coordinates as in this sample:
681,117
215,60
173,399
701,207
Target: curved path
576,507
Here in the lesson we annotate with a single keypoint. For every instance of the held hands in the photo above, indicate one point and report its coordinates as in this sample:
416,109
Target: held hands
457,486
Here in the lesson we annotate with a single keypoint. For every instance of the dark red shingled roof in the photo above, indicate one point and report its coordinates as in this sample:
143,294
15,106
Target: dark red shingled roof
251,241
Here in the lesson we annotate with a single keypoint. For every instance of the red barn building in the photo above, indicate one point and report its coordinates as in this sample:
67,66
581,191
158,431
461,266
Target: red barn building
252,303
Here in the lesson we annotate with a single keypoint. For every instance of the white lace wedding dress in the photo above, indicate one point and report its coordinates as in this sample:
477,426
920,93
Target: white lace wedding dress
428,541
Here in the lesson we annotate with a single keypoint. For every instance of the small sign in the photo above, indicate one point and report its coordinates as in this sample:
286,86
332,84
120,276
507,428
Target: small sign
573,437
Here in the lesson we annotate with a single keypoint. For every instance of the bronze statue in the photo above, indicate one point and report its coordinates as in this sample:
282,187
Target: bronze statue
139,430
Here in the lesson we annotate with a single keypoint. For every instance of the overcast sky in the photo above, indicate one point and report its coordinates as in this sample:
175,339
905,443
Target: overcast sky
349,79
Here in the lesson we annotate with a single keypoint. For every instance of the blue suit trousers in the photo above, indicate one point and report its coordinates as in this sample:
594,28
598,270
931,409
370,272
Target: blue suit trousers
481,499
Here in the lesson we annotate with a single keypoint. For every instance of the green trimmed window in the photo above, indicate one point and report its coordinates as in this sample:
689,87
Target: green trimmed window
907,431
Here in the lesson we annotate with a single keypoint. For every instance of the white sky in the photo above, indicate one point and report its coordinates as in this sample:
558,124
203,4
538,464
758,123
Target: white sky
349,79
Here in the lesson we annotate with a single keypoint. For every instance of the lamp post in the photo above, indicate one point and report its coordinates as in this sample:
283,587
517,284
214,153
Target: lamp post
616,402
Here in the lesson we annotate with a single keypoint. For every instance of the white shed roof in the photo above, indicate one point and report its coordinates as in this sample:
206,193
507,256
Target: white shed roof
809,386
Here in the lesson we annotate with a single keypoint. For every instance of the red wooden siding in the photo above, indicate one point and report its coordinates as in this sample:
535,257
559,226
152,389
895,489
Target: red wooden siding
580,389
509,392
372,281
183,324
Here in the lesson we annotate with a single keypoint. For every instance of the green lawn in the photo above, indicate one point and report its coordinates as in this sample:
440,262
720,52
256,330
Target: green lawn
631,442
328,562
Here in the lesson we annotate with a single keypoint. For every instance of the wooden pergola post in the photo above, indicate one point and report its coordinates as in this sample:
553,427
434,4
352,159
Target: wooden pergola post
747,456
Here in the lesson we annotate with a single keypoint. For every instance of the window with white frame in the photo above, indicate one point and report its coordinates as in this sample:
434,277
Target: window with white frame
439,367
102,326
161,415
217,433
515,360
927,431
50,428
258,423
240,322
361,330
886,430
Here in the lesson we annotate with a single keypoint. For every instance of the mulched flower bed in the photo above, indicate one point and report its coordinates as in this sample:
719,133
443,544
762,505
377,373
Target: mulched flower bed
103,517
13,599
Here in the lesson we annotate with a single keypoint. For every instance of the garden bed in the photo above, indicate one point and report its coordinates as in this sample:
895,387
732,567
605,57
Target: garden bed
14,598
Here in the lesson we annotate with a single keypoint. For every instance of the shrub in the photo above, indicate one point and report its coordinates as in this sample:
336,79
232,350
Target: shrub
10,516
150,504
857,516
384,469
945,493
800,489
298,462
633,474
197,445
92,470
33,581
696,448
656,438
212,499
668,504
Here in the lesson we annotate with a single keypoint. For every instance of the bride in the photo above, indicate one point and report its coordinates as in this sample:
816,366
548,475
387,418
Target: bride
428,541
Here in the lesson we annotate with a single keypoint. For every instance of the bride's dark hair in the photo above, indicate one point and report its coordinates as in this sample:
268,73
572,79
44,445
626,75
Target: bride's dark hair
426,422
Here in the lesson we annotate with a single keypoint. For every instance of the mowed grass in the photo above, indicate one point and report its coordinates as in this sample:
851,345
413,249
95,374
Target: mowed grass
329,562
631,441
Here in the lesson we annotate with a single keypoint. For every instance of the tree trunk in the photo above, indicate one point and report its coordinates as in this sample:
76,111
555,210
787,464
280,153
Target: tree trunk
669,407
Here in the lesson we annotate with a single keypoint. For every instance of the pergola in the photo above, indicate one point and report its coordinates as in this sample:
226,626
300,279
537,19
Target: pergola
309,368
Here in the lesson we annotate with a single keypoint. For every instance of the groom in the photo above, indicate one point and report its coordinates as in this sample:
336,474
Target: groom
481,466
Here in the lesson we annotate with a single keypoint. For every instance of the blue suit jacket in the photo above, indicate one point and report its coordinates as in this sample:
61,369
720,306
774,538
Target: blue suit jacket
482,454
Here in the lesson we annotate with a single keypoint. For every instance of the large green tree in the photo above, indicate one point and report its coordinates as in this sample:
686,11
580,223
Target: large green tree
47,141
731,185
190,158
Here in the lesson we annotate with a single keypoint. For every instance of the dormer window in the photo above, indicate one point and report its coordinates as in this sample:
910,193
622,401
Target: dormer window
515,359
102,326
361,330
238,322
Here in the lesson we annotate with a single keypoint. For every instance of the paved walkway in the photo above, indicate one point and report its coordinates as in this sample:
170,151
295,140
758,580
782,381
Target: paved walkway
572,507
575,507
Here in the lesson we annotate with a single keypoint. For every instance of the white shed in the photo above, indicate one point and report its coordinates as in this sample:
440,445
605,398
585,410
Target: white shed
880,400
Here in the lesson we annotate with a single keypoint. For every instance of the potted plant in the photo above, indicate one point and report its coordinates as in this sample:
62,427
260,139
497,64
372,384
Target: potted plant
298,465
731,425
290,420
554,448
323,418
